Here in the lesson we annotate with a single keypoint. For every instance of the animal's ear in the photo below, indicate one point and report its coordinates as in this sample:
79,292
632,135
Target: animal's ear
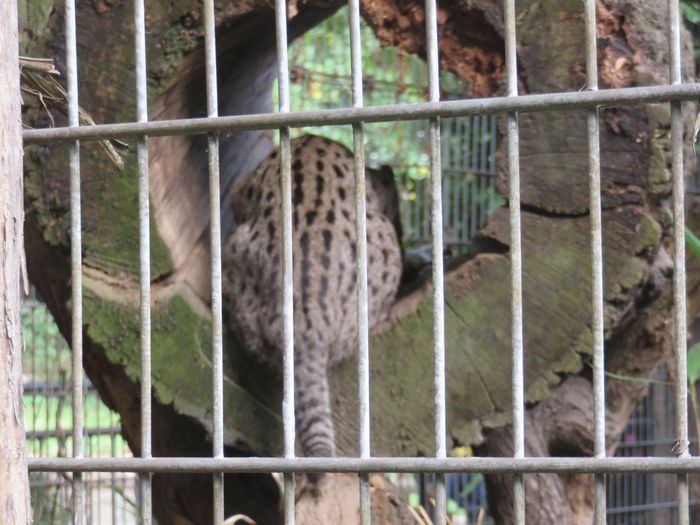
386,174
387,192
239,203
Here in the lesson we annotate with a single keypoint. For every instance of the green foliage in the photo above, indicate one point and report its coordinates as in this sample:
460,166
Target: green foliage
693,377
691,11
321,79
694,364
692,242
48,413
47,403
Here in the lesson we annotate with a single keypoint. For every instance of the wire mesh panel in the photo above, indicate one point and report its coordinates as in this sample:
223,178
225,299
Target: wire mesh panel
320,79
632,498
646,499
111,498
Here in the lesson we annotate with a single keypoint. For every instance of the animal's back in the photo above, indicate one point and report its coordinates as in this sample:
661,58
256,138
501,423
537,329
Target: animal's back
325,295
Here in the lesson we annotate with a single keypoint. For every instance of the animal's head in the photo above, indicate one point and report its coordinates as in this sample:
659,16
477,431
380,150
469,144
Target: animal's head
383,184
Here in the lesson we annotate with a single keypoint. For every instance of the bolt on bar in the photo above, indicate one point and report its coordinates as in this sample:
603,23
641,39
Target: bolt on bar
287,267
76,260
679,288
596,261
431,29
515,265
215,246
387,113
144,255
361,256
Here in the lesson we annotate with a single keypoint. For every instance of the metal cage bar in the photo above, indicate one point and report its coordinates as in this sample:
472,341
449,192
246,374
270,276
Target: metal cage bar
385,113
518,378
508,465
361,256
593,126
679,288
217,465
432,46
76,261
287,267
144,255
215,247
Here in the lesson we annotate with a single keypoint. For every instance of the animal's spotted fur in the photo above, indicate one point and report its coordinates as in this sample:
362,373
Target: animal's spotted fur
325,296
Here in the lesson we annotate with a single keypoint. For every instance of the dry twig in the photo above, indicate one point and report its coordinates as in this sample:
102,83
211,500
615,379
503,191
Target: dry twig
37,76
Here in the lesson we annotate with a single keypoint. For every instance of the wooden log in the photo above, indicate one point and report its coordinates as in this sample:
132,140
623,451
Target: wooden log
14,481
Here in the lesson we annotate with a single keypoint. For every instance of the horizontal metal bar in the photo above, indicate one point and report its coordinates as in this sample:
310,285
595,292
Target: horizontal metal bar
671,465
649,507
40,435
387,113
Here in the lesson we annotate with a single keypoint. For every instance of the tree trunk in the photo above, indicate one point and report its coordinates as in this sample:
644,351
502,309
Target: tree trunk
14,482
636,184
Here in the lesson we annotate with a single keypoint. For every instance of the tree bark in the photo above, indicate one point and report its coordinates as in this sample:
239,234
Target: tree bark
14,481
636,185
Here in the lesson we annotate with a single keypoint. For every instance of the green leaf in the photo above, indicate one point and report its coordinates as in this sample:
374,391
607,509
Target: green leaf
452,507
472,485
693,242
691,12
694,363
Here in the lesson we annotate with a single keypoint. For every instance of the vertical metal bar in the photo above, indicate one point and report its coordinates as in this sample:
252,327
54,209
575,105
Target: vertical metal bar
483,181
47,340
483,145
144,254
287,268
35,385
515,264
113,475
97,476
406,211
215,247
431,29
464,134
361,253
450,213
417,215
76,260
491,170
679,286
596,261
474,167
